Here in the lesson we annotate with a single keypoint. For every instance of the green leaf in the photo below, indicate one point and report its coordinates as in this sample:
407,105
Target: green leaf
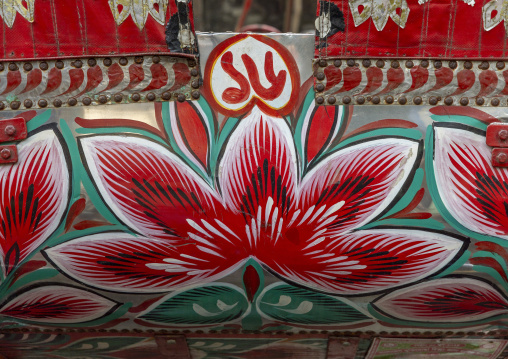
206,305
286,303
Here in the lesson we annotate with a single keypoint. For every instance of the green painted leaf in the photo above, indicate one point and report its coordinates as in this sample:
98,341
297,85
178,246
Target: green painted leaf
206,305
286,303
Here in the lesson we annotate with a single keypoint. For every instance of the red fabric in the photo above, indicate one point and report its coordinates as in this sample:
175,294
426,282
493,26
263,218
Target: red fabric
70,28
436,29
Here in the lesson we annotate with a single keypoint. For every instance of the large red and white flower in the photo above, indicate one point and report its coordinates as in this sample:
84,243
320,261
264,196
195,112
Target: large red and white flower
305,228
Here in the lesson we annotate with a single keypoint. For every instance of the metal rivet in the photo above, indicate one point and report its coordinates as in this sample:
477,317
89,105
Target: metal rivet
346,100
181,97
395,65
194,72
87,101
389,99
15,105
375,100
438,64
350,62
102,99
323,63
138,59
319,100
92,62
417,100
464,101
107,61
195,95
480,101
43,66
484,65
366,63
72,101
5,153
2,105
27,66
402,100
1,66
452,64
191,62
28,103
320,76
195,84
123,61
77,63
433,100
57,103
118,97
337,63
10,130
494,102
448,101
331,100
150,96
500,158
136,97
369,98
166,96
13,66
503,134
320,87
156,59
500,65
424,63
42,103
409,64
380,64
468,65
59,64
360,100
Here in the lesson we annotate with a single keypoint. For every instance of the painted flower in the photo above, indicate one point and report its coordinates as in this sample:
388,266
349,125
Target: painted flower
34,196
303,223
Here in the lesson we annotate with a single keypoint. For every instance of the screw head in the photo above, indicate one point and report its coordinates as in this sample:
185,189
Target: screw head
320,76
402,100
375,100
331,100
360,100
337,63
2,105
409,64
27,66
72,101
484,65
468,65
5,153
448,101
166,96
191,62
480,101
495,102
59,64
138,59
424,63
346,100
464,101
136,97
150,96
452,64
320,87
366,63
501,157
92,62
195,95
320,100
417,100
500,65
323,63
1,66
395,64
433,100
87,101
15,105
389,99
10,130
503,134
57,103
43,66
42,103
118,97
380,64
181,97
123,61
156,59
194,72
13,66
438,64
77,63
103,99
107,61
195,84
350,62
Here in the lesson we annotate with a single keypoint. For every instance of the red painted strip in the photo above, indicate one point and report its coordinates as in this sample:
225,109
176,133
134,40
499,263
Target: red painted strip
33,80
388,123
159,77
462,111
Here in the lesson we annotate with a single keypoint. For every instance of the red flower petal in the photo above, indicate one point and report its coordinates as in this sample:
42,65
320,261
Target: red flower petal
258,169
444,300
362,262
34,196
474,192
54,303
353,186
121,262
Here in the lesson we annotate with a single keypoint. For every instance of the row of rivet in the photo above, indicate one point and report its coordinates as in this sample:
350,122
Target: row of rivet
483,65
102,99
402,100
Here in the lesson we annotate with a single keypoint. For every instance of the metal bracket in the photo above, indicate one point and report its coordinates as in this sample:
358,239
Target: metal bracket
11,129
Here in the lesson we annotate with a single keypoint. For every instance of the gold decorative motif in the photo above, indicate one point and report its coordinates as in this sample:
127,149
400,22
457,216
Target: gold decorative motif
139,10
380,11
500,9
9,9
